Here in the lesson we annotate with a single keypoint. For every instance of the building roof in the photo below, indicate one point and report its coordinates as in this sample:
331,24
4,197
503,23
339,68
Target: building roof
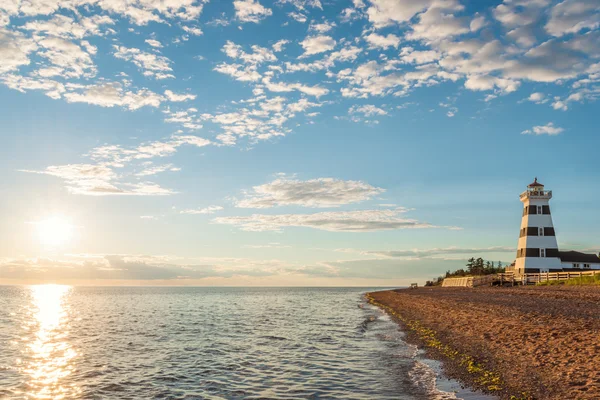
535,184
577,257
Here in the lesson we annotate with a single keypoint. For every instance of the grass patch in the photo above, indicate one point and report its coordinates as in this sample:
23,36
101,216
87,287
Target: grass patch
550,283
580,281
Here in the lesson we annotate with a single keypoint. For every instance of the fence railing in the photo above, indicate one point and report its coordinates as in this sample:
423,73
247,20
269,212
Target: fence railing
511,277
544,276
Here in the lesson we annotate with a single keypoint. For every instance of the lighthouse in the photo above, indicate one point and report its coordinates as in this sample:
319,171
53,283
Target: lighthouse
537,250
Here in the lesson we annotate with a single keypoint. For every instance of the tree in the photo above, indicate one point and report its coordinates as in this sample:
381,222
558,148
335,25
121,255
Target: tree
470,263
475,266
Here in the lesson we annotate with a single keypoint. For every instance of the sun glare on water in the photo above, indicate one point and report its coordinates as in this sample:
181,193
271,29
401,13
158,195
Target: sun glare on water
49,356
55,231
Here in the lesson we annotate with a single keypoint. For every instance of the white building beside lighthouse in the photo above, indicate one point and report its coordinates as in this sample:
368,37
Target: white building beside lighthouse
537,249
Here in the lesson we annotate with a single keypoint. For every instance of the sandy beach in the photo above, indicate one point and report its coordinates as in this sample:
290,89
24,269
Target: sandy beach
526,342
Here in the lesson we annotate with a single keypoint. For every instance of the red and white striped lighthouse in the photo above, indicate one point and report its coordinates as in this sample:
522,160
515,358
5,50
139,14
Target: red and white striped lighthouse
537,250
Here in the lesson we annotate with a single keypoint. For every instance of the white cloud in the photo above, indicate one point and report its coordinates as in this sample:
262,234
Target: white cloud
179,97
354,13
100,179
434,252
119,156
368,110
69,28
374,79
262,121
410,56
556,59
537,98
477,23
52,89
280,45
280,87
387,12
70,59
146,189
250,11
206,210
317,44
149,62
157,269
513,13
439,22
239,72
298,17
488,82
382,42
303,4
332,221
590,94
154,43
321,192
140,12
259,54
74,172
157,169
96,180
548,129
112,94
322,27
560,105
345,54
302,105
572,16
192,30
187,118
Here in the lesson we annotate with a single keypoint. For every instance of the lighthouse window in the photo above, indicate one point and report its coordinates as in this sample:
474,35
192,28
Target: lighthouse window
542,252
540,231
539,210
546,209
531,210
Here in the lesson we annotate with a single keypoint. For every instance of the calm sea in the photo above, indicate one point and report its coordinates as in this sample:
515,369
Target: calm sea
207,343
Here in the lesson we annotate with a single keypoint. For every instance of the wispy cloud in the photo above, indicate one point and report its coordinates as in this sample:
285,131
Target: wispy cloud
320,192
205,210
440,252
251,10
333,221
549,129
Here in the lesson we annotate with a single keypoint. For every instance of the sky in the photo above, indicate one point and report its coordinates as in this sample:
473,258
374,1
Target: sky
290,142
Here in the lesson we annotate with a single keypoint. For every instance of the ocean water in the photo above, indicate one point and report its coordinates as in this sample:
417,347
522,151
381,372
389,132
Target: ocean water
207,343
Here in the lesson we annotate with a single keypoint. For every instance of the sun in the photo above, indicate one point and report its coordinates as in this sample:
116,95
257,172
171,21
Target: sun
54,231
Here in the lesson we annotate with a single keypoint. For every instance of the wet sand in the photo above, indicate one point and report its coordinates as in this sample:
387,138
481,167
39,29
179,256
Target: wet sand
527,342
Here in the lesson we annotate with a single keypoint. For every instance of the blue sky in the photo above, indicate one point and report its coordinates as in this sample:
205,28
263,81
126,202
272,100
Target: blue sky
295,142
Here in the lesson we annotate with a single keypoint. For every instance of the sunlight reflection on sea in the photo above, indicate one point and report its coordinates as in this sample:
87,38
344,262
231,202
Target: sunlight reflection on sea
47,354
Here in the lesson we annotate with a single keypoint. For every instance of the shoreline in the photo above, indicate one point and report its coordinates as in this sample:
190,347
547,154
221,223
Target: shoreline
514,343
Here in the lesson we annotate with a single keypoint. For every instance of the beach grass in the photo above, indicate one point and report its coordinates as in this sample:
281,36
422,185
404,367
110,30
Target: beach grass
580,281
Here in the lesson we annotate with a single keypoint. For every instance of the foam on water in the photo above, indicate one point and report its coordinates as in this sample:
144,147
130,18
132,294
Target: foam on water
207,343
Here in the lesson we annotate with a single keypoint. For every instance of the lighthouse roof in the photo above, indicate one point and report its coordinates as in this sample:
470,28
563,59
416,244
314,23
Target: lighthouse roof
535,183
